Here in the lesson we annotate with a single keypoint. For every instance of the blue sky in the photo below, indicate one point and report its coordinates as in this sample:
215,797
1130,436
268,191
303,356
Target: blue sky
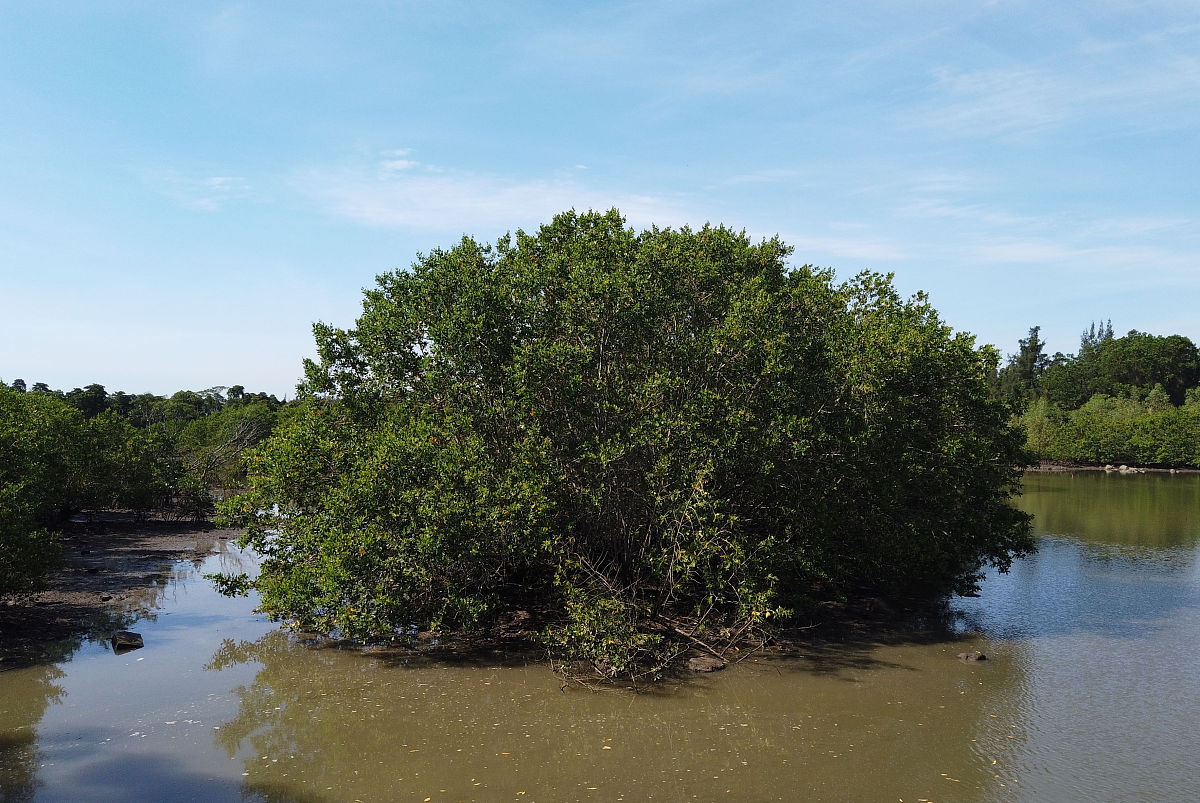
186,187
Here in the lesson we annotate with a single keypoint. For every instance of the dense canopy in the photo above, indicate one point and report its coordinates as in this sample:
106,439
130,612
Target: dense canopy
1132,399
89,450
650,435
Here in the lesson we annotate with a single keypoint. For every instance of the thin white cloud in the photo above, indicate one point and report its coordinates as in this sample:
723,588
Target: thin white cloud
398,164
1009,101
943,181
977,213
429,198
203,194
1026,101
1127,264
765,176
864,246
247,42
1182,33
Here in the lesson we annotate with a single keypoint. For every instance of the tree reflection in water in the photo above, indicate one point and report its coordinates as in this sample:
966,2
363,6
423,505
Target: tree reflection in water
27,693
322,723
40,658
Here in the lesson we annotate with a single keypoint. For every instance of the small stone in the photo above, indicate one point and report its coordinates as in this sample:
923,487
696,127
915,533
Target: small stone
124,640
972,656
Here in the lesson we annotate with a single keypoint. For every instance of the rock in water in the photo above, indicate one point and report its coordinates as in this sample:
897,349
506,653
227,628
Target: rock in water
124,640
972,656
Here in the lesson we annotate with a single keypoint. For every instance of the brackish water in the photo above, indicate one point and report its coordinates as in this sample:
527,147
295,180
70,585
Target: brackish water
1092,692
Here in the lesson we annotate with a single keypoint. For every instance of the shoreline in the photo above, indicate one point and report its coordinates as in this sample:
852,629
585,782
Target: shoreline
112,568
1047,466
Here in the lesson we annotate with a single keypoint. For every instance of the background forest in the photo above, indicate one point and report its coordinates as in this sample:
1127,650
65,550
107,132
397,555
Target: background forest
87,450
1132,399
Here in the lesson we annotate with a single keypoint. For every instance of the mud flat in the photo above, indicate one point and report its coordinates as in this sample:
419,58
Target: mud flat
112,570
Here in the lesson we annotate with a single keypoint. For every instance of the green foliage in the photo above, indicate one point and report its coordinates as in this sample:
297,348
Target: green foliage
604,631
648,433
30,427
1020,378
1117,366
1042,422
62,453
211,446
1131,429
1117,401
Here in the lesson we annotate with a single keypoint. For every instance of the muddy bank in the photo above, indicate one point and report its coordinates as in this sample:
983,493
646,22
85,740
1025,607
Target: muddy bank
113,572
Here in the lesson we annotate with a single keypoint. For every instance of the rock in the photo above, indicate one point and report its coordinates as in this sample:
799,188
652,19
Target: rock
105,597
1124,468
124,640
972,656
705,663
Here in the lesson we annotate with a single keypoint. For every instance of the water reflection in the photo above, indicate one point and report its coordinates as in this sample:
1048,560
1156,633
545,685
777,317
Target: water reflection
28,693
1089,693
97,726
31,679
1144,510
1118,557
1105,623
903,719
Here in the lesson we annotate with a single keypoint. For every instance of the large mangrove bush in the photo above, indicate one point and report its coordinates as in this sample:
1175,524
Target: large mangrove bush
653,437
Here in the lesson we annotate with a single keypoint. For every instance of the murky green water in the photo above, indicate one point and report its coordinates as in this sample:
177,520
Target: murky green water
1092,693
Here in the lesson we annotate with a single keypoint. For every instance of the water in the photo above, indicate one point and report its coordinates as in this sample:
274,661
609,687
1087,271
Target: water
1102,628
1090,693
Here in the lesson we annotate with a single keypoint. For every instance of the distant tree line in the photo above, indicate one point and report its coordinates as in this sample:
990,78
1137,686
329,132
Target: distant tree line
1132,399
86,449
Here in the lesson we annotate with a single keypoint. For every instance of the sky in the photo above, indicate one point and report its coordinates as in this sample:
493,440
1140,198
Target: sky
185,188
